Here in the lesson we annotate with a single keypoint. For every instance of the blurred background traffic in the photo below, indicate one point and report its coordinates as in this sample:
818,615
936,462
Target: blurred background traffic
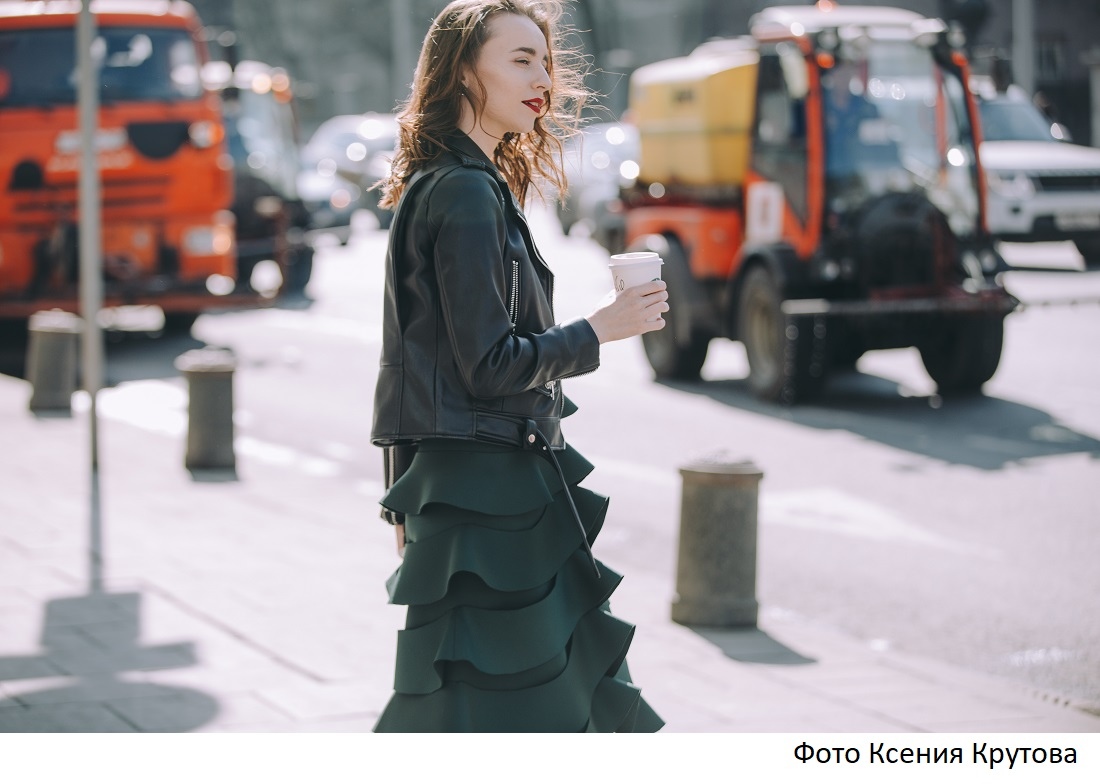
238,144
1042,63
307,100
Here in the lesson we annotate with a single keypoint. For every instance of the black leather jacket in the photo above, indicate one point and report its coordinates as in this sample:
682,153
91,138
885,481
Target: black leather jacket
470,348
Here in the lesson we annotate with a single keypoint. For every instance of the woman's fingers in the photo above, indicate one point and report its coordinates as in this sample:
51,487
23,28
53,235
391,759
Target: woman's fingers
632,312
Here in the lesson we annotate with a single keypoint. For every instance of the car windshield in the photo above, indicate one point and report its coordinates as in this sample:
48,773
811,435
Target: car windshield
896,120
349,138
38,66
260,137
1005,120
604,151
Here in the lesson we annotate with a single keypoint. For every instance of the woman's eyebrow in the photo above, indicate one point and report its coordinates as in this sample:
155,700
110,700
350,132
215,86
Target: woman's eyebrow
525,50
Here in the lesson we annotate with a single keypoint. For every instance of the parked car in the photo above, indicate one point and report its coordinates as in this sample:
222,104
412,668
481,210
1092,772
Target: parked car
1040,186
333,181
262,138
599,163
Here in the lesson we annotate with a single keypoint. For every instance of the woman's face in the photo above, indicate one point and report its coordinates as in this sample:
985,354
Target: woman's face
512,67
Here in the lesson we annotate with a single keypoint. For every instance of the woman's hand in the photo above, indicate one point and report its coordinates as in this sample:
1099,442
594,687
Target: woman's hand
632,312
399,529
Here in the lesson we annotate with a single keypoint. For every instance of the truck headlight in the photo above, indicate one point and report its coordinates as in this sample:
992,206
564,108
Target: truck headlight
1010,185
828,269
216,240
268,206
205,134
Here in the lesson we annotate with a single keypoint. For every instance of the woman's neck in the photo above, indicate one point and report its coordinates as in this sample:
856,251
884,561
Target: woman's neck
486,142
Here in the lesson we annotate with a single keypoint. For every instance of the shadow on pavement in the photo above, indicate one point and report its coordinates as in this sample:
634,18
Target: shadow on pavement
983,432
90,641
752,646
87,643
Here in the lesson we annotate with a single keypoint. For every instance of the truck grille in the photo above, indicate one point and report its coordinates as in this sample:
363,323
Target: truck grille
1069,181
46,204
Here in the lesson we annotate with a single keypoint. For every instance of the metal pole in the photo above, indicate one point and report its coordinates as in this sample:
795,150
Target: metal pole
404,50
1023,44
91,263
1091,58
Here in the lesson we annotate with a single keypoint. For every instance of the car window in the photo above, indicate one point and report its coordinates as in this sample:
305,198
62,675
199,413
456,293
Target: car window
602,149
351,138
1013,121
136,64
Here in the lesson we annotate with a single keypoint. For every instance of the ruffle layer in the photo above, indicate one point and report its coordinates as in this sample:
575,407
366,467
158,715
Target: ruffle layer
501,641
617,706
493,480
506,558
562,704
508,627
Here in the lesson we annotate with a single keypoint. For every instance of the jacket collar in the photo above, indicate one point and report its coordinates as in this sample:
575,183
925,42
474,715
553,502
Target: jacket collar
469,154
466,149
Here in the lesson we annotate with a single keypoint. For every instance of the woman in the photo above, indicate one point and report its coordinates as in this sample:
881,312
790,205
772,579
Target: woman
508,626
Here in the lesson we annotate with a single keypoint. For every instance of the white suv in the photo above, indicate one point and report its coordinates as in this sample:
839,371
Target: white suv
1040,189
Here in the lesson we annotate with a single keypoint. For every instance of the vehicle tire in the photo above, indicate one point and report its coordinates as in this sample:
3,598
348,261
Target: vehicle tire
299,271
178,323
1090,251
787,362
245,266
844,355
678,351
964,353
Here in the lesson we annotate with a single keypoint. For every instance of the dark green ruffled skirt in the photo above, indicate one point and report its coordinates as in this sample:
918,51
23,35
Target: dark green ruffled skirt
508,626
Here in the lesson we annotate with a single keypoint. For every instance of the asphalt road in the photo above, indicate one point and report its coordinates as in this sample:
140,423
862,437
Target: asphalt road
963,530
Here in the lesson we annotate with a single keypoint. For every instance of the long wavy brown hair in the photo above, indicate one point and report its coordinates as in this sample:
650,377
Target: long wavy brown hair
432,110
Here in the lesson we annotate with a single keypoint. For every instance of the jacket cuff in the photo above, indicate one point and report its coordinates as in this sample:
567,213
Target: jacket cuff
392,517
586,345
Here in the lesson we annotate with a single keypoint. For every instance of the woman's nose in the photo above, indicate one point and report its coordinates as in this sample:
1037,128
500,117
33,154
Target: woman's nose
542,79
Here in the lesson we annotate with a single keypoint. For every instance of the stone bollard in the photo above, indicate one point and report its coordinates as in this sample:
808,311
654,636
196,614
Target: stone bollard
52,352
716,563
209,374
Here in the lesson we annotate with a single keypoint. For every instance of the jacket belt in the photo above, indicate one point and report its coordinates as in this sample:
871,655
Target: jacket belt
515,430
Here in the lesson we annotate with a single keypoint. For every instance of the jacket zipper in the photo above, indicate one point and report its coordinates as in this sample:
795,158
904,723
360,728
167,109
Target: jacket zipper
513,302
513,307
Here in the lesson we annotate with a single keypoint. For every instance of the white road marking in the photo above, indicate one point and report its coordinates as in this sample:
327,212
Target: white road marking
160,407
821,509
832,511
335,326
155,406
1040,656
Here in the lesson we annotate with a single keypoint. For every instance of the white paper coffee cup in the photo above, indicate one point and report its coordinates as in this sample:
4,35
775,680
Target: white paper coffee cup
634,269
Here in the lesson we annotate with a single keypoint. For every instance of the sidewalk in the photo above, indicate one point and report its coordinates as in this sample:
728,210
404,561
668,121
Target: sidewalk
257,604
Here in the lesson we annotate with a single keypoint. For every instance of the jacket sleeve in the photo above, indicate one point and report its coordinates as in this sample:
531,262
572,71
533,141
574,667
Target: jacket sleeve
466,212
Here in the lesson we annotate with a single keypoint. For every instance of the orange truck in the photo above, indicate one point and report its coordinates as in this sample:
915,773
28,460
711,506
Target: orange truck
166,178
815,191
